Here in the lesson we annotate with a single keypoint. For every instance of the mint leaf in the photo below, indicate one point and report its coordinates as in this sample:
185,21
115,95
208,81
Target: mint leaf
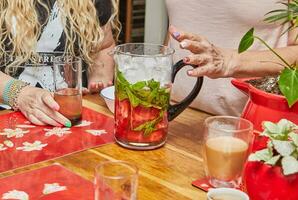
289,165
149,127
262,155
294,138
288,84
246,41
273,160
139,85
284,148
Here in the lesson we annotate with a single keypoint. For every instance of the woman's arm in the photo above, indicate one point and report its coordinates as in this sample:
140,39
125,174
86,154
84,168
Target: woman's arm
36,104
216,62
4,80
258,63
101,73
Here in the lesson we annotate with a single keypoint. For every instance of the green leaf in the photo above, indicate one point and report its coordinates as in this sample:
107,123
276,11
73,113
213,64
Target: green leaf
289,165
284,126
246,41
273,160
288,85
278,17
284,148
150,126
262,155
271,127
139,85
295,154
294,138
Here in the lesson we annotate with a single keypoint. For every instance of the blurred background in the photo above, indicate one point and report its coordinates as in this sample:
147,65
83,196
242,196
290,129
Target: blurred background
143,21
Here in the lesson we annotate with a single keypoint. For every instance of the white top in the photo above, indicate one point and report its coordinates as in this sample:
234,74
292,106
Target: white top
223,23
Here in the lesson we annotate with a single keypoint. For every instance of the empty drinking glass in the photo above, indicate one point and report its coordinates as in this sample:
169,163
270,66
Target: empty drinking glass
116,180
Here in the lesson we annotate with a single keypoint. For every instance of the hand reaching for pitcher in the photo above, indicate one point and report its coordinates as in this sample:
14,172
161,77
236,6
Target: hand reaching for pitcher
212,61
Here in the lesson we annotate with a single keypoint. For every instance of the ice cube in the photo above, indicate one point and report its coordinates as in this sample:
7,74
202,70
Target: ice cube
124,61
164,61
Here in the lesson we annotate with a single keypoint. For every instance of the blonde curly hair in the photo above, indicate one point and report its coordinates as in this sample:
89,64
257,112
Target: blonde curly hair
20,28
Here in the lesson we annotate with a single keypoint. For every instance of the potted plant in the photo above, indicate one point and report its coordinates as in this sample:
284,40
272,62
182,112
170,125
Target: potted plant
271,173
279,97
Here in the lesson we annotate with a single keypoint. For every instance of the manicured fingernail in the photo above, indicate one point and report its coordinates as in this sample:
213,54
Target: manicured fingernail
68,124
56,107
183,44
186,59
176,34
190,72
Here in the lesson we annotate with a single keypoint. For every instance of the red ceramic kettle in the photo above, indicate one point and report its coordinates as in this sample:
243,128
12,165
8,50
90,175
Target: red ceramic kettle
263,106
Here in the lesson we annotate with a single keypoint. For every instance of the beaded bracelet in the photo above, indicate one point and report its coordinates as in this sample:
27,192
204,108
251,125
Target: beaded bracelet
11,92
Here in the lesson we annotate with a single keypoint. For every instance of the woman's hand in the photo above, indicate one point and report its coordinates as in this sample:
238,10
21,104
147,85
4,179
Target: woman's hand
211,60
40,108
101,73
99,77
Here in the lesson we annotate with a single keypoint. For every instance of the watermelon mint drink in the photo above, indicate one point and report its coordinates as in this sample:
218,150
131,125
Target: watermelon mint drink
141,112
143,80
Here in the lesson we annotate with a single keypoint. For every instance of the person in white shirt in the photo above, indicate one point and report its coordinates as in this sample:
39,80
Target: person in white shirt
211,31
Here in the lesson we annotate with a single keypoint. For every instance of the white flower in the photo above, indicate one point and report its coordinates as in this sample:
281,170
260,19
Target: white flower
16,195
51,188
96,132
25,126
57,131
8,143
9,133
2,148
36,146
84,123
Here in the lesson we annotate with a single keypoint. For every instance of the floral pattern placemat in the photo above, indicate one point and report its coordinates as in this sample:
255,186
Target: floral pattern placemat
49,183
22,143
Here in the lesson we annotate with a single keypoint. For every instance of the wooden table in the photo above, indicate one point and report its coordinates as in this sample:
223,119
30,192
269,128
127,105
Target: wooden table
165,173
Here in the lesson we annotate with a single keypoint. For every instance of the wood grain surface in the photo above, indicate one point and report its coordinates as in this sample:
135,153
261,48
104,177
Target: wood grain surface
165,173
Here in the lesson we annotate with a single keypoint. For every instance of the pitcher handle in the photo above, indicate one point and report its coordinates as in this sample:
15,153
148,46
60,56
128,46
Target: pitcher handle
176,109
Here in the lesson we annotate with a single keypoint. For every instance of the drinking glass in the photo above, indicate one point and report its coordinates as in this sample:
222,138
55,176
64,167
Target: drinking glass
116,180
227,142
68,86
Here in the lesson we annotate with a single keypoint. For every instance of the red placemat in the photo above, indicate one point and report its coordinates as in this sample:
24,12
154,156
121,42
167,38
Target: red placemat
204,185
22,143
48,183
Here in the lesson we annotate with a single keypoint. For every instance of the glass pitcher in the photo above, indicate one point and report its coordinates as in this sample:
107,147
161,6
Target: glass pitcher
143,82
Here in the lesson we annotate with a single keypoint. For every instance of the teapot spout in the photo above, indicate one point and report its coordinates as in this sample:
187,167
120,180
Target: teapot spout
241,84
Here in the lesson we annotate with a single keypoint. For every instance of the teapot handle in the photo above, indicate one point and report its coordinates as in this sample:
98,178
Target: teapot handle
176,109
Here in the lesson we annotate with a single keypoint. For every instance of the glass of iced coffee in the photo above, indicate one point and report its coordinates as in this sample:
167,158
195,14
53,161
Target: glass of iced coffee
68,86
226,147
